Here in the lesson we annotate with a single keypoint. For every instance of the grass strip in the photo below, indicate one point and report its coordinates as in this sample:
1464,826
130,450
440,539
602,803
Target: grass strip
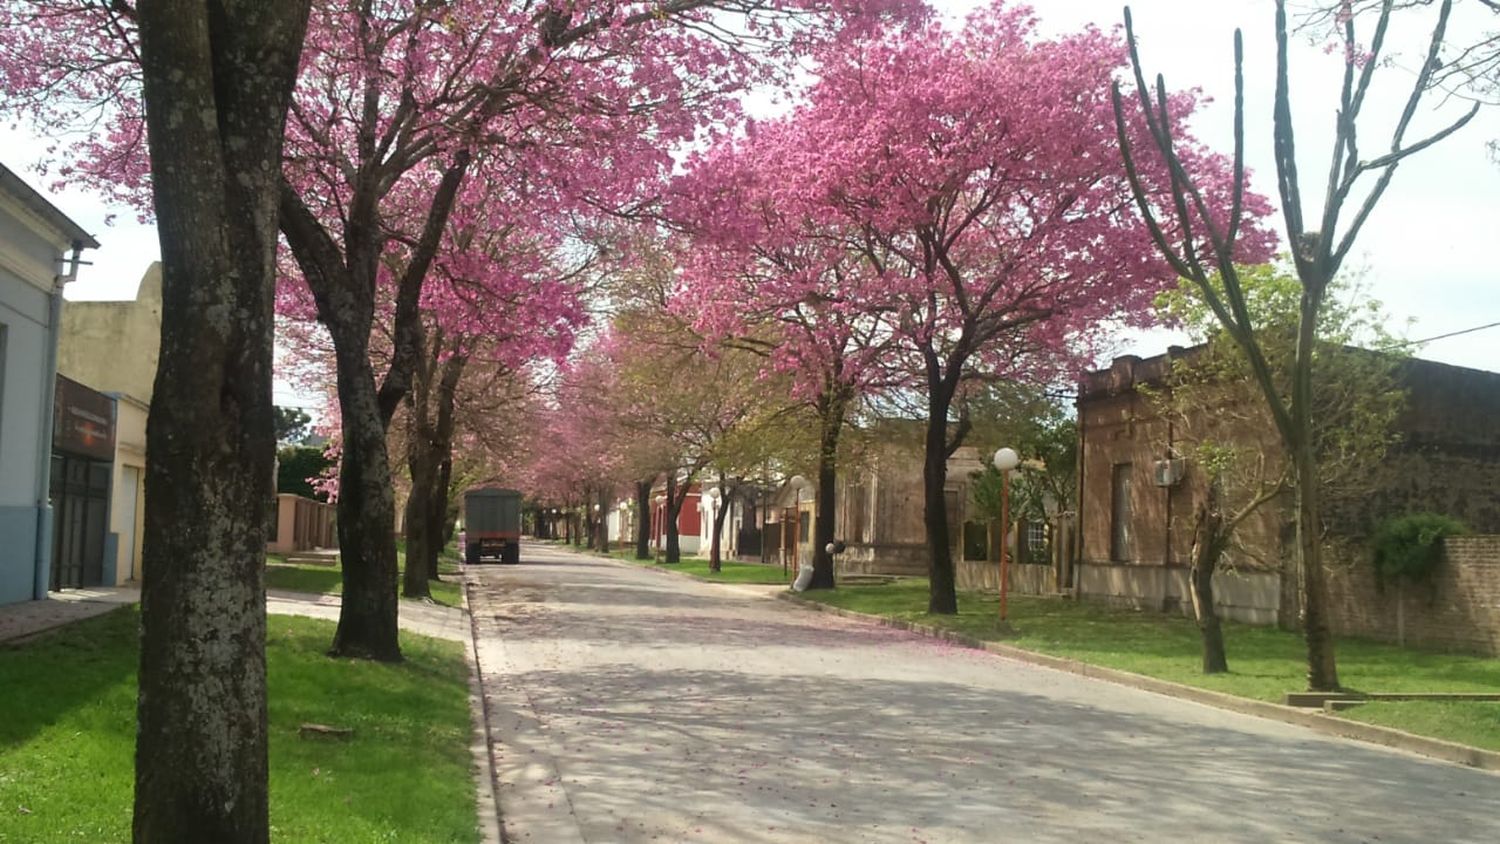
1264,662
67,737
326,580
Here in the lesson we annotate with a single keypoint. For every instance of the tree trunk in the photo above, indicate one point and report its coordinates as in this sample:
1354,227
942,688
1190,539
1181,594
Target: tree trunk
643,519
432,399
217,83
831,412
721,514
675,498
603,520
1210,538
366,520
942,589
444,512
1322,670
418,511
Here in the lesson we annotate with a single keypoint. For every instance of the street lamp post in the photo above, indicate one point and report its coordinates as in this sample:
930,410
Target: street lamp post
1006,459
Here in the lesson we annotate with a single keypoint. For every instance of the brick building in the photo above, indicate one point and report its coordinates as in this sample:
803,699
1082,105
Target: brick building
1138,497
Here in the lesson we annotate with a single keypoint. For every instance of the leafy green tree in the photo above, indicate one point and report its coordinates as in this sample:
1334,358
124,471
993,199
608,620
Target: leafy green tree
291,425
296,465
1221,425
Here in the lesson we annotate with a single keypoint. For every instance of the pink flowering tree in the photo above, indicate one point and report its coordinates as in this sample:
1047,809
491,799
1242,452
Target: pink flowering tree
395,103
979,176
769,275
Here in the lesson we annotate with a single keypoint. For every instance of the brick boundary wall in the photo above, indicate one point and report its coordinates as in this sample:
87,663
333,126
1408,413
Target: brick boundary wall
1458,610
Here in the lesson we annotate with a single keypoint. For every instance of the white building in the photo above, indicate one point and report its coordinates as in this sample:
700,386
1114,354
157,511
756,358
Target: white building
39,252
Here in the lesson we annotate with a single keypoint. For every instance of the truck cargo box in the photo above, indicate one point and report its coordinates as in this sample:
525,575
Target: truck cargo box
492,525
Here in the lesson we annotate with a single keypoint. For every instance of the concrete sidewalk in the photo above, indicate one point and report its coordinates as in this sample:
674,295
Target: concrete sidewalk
21,621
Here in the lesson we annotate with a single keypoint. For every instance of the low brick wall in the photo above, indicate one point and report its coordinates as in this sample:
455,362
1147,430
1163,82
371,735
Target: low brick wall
1458,610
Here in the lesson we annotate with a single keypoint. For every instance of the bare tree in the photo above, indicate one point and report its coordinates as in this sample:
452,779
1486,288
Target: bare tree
1319,247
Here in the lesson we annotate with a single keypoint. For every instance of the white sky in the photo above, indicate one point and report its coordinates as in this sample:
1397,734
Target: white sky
1429,248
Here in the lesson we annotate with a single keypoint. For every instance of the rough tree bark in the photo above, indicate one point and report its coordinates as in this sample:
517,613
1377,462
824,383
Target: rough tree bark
423,475
343,281
643,519
1210,540
217,84
603,523
676,495
430,404
939,445
444,511
830,410
721,514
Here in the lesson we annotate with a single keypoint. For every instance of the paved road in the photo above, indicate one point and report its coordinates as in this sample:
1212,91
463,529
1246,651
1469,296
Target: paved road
628,705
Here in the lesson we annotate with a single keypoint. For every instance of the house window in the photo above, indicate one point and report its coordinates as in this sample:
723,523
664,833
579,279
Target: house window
855,497
1119,494
1037,548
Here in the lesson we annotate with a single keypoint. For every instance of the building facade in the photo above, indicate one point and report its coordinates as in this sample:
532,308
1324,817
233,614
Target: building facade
39,254
113,347
1139,493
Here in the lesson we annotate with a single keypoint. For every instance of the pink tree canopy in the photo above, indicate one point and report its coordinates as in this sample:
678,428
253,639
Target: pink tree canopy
977,175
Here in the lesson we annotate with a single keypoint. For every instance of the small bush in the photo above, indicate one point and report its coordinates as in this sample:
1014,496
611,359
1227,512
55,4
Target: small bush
1408,548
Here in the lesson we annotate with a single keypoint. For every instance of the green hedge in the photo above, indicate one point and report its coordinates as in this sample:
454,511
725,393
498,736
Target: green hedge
1408,548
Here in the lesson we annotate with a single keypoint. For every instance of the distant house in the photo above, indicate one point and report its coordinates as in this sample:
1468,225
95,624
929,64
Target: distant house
1138,496
39,253
113,347
878,511
689,520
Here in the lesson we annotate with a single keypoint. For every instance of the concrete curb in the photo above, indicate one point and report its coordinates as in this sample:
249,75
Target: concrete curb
479,712
1318,721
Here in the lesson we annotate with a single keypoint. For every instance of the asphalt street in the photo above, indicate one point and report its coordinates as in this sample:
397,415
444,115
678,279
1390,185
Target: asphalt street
629,705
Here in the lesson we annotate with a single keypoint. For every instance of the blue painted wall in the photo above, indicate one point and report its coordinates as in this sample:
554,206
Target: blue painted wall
25,388
17,553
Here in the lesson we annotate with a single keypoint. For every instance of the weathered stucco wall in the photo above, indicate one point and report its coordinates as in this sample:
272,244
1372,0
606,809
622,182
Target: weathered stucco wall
114,346
880,513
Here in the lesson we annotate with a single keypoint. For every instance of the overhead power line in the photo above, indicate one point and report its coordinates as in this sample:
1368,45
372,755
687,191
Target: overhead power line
1449,334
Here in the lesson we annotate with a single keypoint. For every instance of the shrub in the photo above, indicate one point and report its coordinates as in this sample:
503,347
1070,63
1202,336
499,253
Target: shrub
1408,548
296,464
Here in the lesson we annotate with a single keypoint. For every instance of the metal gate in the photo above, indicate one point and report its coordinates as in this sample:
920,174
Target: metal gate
80,520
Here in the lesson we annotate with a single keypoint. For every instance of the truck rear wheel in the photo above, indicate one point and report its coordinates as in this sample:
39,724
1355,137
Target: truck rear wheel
512,553
471,554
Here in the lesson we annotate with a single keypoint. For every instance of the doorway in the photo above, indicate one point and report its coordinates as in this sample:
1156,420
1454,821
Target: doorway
80,520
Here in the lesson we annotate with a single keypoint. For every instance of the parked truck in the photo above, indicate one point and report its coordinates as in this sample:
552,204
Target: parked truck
492,525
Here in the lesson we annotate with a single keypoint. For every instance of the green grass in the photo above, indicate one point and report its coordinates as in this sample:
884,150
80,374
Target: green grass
326,580
1264,662
67,735
1472,723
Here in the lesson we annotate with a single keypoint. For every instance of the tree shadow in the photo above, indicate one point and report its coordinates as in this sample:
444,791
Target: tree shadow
683,714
